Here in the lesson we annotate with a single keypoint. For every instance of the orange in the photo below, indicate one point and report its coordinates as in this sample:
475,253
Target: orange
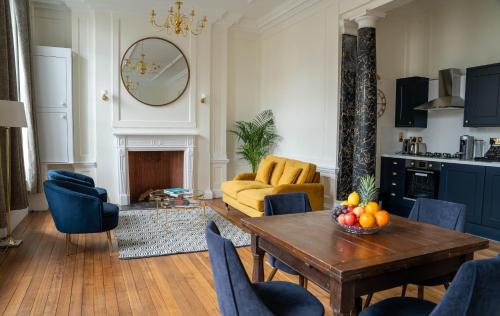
372,207
367,220
382,218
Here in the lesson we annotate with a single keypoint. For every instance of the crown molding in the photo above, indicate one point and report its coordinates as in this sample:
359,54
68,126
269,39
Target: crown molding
284,12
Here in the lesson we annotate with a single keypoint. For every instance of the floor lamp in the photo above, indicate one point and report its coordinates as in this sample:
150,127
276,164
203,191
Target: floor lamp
11,115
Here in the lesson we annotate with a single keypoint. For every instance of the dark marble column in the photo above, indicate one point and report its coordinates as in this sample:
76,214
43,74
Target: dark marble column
346,116
366,106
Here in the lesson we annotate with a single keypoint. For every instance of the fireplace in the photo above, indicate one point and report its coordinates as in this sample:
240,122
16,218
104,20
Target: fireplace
153,162
152,170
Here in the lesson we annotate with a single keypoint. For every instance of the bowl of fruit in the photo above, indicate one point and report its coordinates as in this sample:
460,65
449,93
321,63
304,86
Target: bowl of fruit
359,214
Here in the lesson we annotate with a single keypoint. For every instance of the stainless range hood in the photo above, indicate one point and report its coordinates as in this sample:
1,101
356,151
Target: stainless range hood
449,92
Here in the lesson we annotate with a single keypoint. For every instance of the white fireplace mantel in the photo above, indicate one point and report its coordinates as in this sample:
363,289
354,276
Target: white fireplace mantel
126,142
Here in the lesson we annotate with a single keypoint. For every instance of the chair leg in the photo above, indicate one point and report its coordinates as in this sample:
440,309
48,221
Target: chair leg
403,290
305,283
420,292
368,300
110,243
227,207
446,285
271,275
68,244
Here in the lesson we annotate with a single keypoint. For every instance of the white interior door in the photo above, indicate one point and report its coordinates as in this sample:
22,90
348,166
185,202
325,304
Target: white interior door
53,137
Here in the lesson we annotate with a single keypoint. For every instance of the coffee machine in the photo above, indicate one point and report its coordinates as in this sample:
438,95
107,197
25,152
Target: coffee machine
466,147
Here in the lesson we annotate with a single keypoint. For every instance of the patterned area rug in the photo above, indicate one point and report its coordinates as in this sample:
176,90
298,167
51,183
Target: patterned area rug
148,233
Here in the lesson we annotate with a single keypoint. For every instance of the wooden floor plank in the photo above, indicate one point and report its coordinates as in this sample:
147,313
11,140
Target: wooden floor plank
38,278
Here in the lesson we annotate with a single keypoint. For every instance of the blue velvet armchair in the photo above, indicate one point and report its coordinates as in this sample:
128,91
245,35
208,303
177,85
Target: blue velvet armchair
237,296
282,204
65,175
78,209
474,291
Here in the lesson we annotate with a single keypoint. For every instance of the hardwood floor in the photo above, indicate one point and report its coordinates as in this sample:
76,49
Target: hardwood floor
39,279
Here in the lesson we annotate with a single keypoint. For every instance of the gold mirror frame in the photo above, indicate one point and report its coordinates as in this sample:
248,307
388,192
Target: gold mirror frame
168,42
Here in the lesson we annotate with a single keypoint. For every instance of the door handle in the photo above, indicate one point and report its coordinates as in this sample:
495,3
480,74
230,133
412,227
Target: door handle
395,163
394,184
393,194
63,104
63,116
394,173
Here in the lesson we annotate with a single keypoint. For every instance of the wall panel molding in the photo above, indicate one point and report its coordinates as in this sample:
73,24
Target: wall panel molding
117,101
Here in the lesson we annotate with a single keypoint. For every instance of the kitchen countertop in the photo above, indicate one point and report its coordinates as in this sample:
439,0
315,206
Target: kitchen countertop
457,161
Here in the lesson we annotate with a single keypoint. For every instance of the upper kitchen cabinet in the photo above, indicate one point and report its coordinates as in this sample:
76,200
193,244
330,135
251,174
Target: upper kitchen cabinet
482,96
52,84
411,92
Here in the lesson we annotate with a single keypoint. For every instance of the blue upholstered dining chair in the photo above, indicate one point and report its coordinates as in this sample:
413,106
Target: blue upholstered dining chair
281,204
237,296
474,291
78,209
65,175
440,213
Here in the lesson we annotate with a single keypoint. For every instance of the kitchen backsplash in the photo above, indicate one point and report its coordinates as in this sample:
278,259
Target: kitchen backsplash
441,135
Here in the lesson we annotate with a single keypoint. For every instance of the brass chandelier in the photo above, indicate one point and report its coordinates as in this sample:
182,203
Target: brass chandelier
178,22
141,66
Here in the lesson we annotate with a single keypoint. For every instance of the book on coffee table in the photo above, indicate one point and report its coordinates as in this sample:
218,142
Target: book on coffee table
176,192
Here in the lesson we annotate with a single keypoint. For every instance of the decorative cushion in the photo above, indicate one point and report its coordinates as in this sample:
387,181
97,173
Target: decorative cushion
278,169
254,198
265,171
232,188
308,170
290,175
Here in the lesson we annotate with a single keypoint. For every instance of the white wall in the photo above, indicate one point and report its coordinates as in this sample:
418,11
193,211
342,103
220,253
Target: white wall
428,35
299,82
244,89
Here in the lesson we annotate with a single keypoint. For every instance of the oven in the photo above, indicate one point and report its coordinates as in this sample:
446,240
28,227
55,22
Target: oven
422,179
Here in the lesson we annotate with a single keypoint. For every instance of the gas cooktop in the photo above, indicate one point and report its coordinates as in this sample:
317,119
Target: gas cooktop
437,155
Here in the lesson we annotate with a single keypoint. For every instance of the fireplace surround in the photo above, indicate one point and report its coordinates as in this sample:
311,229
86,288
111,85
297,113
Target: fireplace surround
142,143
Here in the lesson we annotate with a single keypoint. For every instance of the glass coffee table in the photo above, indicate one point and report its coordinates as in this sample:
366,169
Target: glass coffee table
189,201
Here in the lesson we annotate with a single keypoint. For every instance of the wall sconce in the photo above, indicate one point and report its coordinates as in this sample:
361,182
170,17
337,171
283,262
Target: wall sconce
203,99
104,95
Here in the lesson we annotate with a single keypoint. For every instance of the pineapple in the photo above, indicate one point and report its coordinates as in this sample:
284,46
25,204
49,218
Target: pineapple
367,189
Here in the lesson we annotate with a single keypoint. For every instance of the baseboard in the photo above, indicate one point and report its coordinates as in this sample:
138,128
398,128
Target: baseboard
217,193
17,217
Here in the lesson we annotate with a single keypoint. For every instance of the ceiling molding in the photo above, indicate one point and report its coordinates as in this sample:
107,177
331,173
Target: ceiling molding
284,12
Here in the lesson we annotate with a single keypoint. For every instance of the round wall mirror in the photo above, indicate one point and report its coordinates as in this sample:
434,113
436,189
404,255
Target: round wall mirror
155,71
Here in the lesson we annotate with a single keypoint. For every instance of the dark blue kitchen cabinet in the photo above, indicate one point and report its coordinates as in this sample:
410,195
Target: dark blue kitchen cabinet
482,96
392,183
411,92
491,204
463,184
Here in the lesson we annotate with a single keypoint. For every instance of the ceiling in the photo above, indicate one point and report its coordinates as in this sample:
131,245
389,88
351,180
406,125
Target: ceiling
214,9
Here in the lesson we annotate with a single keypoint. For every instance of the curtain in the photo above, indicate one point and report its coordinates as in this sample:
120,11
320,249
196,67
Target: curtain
32,162
8,91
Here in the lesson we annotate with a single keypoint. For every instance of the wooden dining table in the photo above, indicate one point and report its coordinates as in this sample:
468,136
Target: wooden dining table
347,265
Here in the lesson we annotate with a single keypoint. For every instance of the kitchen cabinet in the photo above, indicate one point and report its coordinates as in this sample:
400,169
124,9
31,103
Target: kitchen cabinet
491,203
463,184
52,85
392,182
411,92
482,96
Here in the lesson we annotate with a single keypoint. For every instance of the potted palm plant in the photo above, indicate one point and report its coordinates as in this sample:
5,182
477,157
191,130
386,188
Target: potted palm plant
256,138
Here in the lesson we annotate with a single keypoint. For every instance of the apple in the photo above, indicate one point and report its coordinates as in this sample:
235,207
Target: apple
341,219
350,219
358,211
350,208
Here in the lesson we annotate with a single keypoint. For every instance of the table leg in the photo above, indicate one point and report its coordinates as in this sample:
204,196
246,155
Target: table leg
343,300
258,260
